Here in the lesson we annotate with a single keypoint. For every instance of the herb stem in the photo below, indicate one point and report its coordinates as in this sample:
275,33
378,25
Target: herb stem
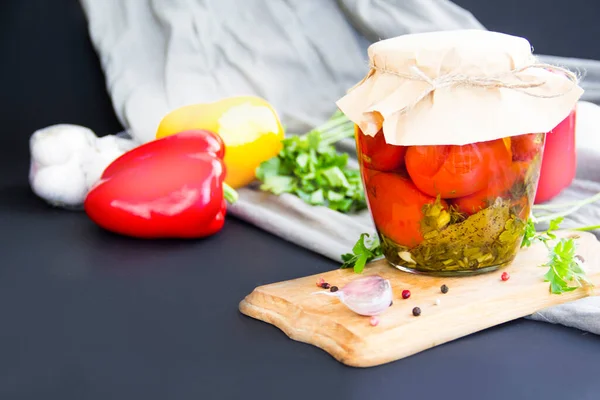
338,127
586,228
339,135
568,211
229,193
334,121
588,200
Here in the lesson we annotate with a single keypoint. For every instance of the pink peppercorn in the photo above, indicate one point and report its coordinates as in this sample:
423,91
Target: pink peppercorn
505,276
320,281
405,294
374,321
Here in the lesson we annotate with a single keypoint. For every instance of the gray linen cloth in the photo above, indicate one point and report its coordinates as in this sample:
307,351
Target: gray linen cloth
301,55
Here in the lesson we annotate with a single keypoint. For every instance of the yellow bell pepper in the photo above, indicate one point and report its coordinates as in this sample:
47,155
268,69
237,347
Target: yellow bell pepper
249,127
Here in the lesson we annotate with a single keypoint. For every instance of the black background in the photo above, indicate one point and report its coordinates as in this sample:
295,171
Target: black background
88,315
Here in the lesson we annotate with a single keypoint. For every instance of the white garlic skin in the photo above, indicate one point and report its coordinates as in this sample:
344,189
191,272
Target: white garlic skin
67,160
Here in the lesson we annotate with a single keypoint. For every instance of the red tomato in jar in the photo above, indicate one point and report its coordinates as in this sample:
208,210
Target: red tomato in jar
397,207
376,154
456,171
525,147
499,186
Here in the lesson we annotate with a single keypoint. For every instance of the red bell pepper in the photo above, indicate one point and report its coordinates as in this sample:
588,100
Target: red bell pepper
168,188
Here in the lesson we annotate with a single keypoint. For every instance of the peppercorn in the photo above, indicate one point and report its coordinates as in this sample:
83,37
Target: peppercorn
391,303
444,289
580,258
505,276
320,281
374,321
416,311
405,294
325,285
333,289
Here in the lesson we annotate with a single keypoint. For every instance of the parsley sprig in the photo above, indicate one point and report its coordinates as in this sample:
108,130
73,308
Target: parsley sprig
362,252
310,167
532,236
564,268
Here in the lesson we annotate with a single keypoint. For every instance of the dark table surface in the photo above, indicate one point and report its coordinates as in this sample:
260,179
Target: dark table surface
88,315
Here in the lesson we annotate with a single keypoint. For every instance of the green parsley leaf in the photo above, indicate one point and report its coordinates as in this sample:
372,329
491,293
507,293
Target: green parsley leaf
565,274
313,139
336,177
268,168
311,168
278,184
554,225
302,160
317,197
362,252
531,235
334,196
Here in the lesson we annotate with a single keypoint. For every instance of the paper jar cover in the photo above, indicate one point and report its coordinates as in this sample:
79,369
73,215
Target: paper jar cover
458,87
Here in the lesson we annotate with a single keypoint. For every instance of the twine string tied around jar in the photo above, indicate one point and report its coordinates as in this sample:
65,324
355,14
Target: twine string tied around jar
507,80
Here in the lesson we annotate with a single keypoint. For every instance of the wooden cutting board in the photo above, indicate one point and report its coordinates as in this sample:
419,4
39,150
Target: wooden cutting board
472,304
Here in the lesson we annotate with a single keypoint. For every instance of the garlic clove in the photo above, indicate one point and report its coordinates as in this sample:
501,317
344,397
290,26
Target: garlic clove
368,296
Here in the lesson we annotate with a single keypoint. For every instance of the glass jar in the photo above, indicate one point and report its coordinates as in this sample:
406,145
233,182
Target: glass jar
447,136
449,209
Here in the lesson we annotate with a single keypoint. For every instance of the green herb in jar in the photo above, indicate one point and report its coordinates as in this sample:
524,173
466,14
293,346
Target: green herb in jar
489,237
